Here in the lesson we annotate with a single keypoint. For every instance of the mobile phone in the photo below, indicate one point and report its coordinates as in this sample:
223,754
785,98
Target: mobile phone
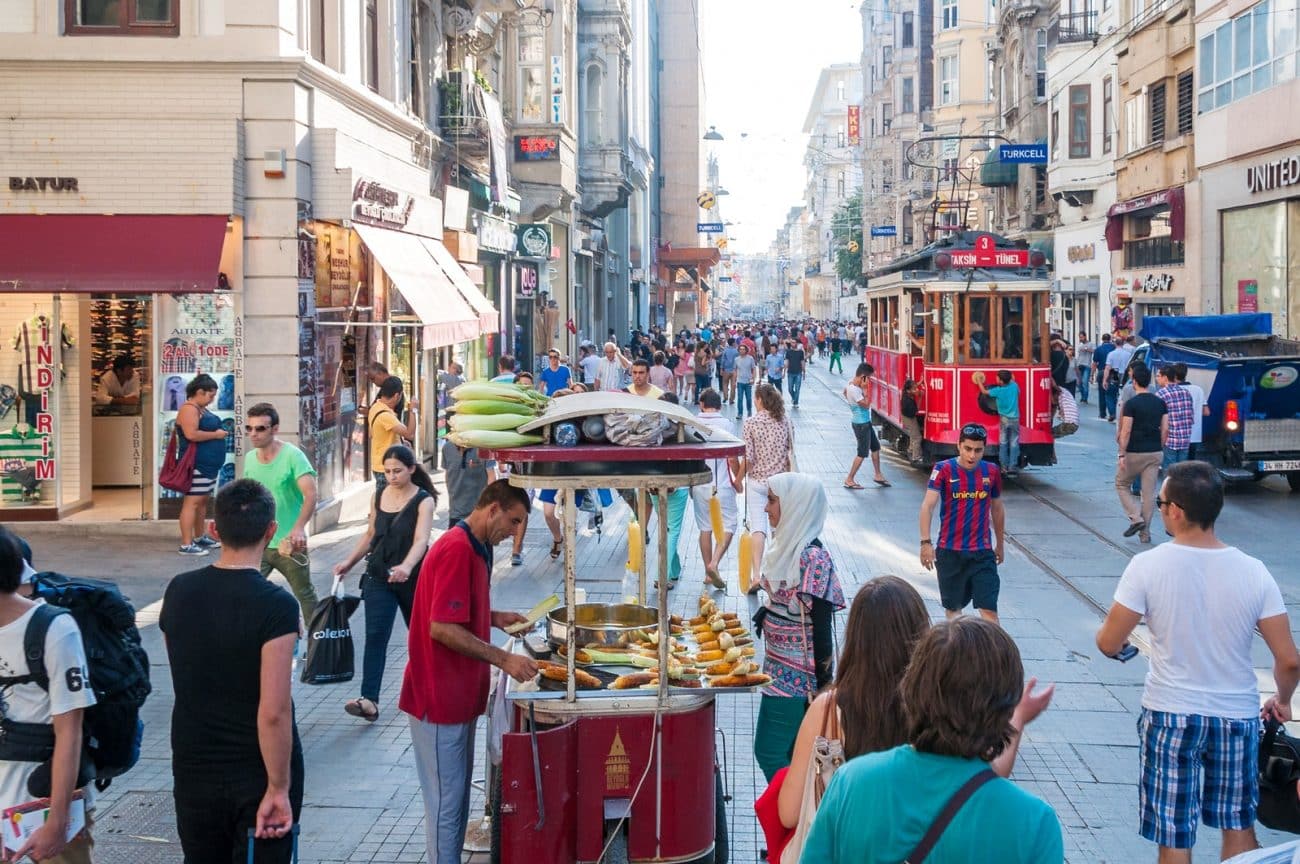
1125,654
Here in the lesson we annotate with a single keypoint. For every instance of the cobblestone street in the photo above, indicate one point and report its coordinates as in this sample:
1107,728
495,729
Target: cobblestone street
1065,555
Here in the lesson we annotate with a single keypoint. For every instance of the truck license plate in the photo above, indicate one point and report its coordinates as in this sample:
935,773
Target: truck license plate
1280,465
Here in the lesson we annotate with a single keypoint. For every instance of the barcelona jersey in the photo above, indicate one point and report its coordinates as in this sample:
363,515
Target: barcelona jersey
965,501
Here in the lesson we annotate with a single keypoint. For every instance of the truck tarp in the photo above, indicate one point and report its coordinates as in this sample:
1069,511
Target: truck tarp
1206,326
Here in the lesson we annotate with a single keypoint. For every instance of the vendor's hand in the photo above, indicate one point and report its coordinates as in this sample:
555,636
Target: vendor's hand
502,620
46,842
519,667
927,556
400,573
274,815
298,537
1276,709
1032,704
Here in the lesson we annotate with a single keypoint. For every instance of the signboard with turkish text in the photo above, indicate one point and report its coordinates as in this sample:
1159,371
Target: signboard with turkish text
709,227
495,234
1023,154
537,148
986,254
855,124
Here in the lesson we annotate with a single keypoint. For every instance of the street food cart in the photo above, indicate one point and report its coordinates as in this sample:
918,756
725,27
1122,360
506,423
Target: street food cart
584,766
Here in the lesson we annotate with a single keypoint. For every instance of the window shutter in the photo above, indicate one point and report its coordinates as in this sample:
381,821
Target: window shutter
1157,116
1185,110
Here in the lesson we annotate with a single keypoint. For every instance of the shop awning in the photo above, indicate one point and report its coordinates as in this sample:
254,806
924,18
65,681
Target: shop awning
447,319
995,172
489,320
78,253
1174,197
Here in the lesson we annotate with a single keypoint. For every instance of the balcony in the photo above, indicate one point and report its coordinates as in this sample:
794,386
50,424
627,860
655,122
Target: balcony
463,118
1076,27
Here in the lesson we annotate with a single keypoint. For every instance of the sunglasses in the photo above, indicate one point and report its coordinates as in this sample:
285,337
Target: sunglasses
1161,503
979,433
248,428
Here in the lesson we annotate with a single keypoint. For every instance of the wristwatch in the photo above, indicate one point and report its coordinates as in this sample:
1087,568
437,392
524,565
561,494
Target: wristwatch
926,543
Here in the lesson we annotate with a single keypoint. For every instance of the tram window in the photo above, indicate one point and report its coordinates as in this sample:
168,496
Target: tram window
891,332
978,314
914,323
947,332
1037,321
1013,327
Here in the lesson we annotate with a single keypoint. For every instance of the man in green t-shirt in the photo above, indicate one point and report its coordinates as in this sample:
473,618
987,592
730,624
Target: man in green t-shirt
285,470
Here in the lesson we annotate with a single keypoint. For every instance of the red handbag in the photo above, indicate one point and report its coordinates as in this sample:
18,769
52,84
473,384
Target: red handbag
178,474
769,817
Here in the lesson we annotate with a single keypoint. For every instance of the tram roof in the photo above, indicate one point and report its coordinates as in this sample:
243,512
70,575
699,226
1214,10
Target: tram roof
973,281
921,264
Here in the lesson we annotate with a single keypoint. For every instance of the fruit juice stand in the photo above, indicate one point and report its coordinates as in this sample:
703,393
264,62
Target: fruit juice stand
605,741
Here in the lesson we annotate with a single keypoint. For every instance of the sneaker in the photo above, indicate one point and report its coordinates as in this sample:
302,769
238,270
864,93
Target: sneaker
193,549
208,542
1135,528
516,560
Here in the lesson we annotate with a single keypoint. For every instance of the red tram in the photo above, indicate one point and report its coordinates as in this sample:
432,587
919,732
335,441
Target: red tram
972,302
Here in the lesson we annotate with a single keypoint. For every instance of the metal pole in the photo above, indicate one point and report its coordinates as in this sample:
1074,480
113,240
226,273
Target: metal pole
643,522
665,629
570,585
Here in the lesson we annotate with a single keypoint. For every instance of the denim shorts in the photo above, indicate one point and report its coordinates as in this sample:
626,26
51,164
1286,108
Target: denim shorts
1176,750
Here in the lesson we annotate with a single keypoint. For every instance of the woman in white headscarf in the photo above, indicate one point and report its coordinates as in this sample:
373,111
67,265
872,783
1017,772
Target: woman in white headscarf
797,623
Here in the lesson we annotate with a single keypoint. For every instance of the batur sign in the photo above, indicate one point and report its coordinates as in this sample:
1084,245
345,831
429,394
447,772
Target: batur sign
43,184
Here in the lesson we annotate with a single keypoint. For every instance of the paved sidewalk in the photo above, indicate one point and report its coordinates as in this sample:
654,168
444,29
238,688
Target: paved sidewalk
362,799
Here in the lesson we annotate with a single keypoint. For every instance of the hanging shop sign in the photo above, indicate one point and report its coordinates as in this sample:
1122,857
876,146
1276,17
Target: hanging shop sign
495,235
1153,283
535,240
527,279
43,184
1079,254
557,89
1273,175
855,124
537,148
378,205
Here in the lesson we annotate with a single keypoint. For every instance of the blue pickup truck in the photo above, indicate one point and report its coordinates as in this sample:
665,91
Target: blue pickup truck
1250,378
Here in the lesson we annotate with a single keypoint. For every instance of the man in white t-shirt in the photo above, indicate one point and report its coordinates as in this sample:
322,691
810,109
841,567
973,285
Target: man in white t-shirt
1203,601
27,702
1199,409
589,363
609,374
723,471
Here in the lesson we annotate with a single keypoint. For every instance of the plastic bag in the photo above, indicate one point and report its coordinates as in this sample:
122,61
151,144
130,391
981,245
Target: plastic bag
331,655
499,715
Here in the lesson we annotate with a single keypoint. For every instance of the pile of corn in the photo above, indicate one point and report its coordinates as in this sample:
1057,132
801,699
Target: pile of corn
488,413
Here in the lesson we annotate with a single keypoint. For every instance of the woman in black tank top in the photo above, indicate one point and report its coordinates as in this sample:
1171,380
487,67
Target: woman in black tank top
401,518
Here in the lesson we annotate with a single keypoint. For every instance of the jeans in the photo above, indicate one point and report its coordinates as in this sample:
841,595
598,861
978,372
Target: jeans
444,763
1106,407
795,380
776,730
1132,466
1009,443
1083,372
1172,457
744,397
382,599
214,813
701,384
296,569
775,382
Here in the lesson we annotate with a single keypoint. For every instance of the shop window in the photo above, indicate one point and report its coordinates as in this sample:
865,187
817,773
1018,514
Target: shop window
1261,262
122,17
1148,240
1081,121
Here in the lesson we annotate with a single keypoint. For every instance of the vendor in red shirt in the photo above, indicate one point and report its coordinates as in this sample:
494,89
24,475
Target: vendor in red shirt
445,686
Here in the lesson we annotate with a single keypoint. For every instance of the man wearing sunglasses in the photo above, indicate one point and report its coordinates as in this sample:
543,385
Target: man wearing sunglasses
968,492
286,471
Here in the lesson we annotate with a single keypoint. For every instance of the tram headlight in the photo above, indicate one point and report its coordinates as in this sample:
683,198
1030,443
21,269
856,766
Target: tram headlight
943,261
1037,258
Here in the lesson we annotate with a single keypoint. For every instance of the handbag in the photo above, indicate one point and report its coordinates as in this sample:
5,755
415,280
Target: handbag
1279,769
826,757
178,474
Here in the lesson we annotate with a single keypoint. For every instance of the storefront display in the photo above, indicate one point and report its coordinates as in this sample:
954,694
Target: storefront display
119,327
1261,262
29,421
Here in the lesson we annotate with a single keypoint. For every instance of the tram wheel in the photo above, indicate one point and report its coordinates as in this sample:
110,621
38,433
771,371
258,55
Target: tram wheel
1293,480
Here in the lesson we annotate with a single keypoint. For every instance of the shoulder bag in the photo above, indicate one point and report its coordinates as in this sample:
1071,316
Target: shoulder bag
1279,769
945,817
826,757
178,474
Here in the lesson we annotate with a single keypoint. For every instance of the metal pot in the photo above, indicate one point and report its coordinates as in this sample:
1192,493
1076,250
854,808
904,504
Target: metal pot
611,625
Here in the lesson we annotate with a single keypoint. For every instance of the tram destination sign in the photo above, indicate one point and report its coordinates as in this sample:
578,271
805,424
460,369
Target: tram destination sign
984,255
1023,154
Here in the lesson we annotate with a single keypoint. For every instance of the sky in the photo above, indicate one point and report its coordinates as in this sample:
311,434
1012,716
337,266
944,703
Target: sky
760,68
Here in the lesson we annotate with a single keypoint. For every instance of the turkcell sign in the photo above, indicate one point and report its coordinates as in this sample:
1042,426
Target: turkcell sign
724,278
708,227
1023,154
884,230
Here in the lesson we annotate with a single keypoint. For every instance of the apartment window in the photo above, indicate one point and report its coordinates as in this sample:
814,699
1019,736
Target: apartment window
122,17
372,44
533,80
948,14
887,175
1107,113
993,12
908,40
839,138
949,161
1148,240
422,33
839,185
886,117
1040,66
990,71
591,113
948,78
315,29
1081,121
1135,124
909,95
839,90
1185,103
886,59
1156,112
1040,185
1250,53
1056,134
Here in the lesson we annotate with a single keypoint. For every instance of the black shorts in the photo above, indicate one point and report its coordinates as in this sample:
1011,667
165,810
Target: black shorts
868,443
967,577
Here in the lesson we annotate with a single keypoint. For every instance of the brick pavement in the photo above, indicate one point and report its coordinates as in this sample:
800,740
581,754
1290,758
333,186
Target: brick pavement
363,803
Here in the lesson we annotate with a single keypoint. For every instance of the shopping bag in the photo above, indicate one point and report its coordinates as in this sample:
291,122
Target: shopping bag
499,715
330,652
1279,769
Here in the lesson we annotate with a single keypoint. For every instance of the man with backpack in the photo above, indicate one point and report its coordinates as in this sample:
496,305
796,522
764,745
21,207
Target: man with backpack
43,710
236,758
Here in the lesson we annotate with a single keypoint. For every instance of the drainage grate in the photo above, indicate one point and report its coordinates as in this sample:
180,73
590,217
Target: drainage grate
139,828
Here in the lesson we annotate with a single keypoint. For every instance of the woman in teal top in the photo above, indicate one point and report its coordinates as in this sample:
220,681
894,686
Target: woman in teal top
959,693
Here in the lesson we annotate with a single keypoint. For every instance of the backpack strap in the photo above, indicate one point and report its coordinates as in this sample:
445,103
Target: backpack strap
945,817
34,648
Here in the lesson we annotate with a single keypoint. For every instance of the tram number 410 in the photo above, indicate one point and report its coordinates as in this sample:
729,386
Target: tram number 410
936,384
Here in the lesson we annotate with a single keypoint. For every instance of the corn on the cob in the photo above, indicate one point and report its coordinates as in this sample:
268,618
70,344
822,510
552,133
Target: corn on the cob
715,517
497,422
492,406
496,390
635,547
743,552
491,439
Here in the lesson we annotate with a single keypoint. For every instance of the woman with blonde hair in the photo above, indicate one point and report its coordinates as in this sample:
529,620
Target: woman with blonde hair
769,450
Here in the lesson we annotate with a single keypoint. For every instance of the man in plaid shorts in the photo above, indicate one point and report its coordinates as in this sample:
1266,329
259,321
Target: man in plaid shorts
1200,723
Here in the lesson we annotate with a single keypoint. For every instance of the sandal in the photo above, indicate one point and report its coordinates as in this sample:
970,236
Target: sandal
882,483
357,708
854,485
556,548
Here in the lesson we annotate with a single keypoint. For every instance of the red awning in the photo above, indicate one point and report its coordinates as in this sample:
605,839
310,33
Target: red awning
75,253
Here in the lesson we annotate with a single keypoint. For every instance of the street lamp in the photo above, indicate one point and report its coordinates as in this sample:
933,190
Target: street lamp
713,134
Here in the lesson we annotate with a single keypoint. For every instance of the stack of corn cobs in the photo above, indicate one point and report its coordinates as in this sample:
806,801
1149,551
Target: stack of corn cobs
488,413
